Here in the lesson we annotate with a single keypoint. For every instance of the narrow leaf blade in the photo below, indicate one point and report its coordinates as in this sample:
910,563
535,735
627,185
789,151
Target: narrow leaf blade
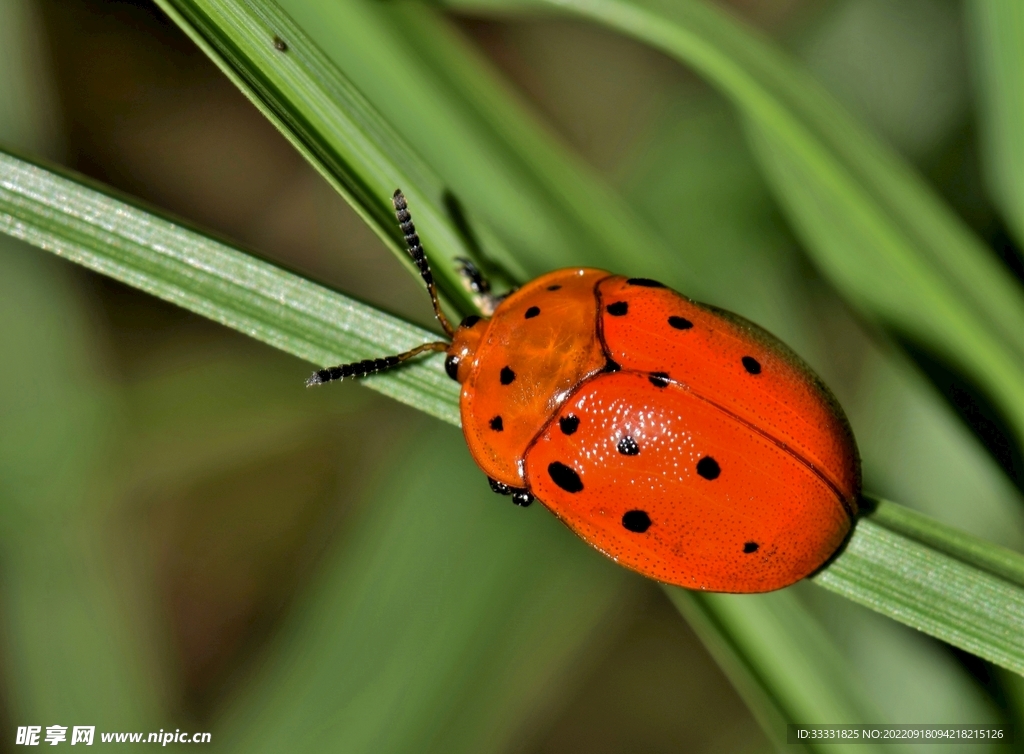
167,259
315,106
780,660
940,581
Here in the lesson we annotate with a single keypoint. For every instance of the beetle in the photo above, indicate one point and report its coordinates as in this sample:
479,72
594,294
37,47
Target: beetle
681,440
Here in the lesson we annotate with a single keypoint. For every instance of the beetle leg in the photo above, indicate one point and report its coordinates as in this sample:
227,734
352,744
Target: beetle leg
501,489
479,286
520,497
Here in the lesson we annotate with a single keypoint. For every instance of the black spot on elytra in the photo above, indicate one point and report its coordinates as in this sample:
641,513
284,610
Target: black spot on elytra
618,309
750,547
451,366
554,287
680,323
497,424
628,447
751,364
569,424
507,376
645,282
532,312
658,379
565,477
708,468
636,521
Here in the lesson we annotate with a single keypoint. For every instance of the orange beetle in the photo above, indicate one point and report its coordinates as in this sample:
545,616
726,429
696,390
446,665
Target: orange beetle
681,440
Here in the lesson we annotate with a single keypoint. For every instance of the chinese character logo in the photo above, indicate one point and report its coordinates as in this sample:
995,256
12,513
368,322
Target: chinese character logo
28,735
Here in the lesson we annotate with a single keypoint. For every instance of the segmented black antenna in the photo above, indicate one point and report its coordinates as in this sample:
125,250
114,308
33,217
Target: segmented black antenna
369,366
412,245
372,366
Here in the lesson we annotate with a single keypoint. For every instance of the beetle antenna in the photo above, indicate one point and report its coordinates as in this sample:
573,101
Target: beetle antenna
369,366
412,245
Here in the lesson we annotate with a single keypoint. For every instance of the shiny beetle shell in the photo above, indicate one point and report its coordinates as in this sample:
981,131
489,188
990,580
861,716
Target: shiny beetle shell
680,440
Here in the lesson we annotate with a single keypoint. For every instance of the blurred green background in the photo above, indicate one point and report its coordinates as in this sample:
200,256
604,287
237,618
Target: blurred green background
191,540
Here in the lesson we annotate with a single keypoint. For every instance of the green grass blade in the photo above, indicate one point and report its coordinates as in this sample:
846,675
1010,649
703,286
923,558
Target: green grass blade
965,591
115,237
875,228
438,95
780,660
446,100
996,32
325,117
999,561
